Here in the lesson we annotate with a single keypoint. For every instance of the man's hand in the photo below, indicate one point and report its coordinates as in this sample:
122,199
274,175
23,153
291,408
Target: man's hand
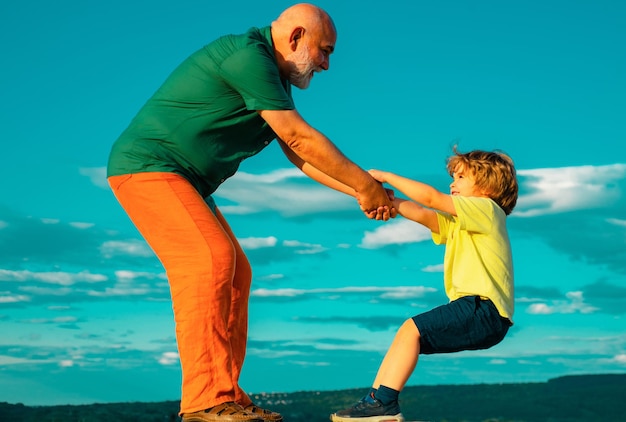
377,195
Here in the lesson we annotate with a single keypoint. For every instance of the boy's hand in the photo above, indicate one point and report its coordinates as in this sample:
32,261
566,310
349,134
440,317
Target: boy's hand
378,175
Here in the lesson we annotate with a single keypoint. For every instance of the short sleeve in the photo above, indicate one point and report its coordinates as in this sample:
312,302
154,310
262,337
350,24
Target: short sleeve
445,222
252,72
475,214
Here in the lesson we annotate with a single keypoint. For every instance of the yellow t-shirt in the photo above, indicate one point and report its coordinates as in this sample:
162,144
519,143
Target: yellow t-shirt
478,259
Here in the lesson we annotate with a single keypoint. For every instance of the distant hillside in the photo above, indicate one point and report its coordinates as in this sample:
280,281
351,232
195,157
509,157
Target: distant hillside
565,399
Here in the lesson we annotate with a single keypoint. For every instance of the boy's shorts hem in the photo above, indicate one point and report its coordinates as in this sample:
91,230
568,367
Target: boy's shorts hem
468,323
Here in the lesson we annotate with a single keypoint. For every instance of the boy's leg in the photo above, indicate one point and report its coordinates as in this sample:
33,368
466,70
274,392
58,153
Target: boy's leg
401,358
382,402
467,323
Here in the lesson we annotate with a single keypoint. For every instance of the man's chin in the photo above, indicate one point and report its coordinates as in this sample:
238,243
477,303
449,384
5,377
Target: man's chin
303,85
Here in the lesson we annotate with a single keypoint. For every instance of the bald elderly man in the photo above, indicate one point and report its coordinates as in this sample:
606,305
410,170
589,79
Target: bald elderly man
223,104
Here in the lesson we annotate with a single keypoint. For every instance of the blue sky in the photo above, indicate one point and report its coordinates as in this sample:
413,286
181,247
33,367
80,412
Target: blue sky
84,305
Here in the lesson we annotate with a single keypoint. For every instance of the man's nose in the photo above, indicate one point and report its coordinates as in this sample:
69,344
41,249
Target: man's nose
325,63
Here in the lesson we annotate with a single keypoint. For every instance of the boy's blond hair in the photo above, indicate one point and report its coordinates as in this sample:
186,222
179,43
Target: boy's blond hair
493,172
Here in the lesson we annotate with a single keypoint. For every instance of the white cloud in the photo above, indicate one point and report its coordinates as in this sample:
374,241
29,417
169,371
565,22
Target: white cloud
282,191
616,222
131,247
47,291
540,309
79,225
400,292
120,291
57,320
272,353
60,278
50,220
126,276
278,292
395,233
10,298
252,243
556,190
271,277
97,175
305,248
433,268
10,360
276,176
258,242
64,320
169,358
574,304
307,363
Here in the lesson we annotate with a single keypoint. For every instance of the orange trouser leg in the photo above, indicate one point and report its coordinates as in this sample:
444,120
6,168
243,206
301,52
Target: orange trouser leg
209,277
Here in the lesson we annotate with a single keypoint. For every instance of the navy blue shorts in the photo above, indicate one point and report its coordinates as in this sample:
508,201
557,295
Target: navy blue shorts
468,323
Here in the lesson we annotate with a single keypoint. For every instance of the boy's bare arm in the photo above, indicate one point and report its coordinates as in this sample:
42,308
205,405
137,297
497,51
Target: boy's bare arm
419,192
415,212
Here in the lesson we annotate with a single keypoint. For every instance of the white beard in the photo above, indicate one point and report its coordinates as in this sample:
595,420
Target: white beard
302,68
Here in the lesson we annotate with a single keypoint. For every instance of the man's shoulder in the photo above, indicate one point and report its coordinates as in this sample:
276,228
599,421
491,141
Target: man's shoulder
252,36
253,46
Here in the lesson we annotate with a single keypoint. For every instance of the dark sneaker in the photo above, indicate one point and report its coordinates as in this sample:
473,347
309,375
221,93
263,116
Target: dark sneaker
225,412
369,410
267,415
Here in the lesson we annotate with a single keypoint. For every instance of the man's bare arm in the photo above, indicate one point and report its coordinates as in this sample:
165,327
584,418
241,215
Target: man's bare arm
316,149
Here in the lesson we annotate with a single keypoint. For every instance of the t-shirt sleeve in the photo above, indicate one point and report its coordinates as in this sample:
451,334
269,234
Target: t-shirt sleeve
445,221
474,214
252,72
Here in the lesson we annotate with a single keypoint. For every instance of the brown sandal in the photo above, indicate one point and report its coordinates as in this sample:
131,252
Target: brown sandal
267,415
225,412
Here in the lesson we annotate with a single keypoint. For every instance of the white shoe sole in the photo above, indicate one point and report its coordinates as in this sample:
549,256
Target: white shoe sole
388,418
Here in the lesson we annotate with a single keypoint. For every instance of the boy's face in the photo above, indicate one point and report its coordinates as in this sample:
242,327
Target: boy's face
464,183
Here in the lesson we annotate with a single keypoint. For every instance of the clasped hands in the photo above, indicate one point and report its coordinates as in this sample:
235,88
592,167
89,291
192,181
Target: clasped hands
377,202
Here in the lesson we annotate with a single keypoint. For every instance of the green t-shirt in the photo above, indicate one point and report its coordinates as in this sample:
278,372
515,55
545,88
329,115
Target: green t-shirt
203,121
478,259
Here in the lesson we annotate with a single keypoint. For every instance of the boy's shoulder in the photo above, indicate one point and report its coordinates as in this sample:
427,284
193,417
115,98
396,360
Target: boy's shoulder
475,203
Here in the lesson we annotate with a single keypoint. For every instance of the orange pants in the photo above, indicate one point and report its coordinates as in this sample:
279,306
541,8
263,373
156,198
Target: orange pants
209,278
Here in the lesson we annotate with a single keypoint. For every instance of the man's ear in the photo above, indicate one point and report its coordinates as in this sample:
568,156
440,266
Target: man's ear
296,37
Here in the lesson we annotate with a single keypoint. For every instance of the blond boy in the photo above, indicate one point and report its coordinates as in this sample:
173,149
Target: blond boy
478,272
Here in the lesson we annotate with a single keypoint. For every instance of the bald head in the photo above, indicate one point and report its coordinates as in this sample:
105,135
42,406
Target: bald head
306,15
304,36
